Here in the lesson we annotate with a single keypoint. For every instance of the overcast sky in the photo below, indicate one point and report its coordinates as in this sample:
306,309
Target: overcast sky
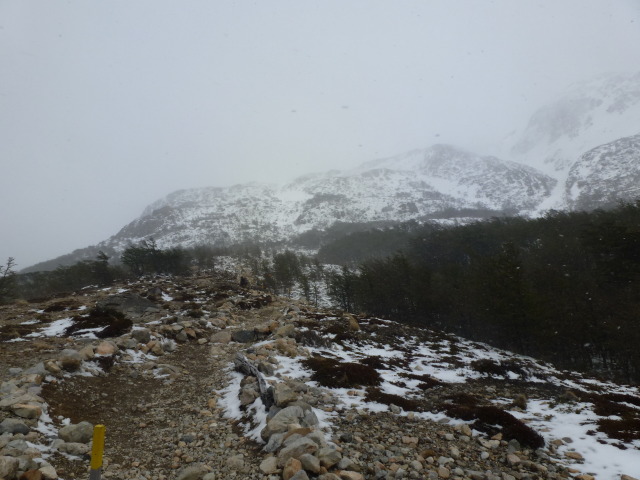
106,106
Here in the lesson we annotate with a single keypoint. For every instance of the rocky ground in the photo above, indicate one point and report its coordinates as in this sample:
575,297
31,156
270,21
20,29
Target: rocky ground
162,380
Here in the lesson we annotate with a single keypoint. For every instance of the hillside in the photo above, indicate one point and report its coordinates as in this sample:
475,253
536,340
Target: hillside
353,398
577,152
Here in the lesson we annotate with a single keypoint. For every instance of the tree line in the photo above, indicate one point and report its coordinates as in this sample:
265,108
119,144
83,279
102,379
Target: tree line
564,287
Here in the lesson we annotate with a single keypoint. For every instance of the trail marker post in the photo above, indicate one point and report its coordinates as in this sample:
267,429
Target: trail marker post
96,452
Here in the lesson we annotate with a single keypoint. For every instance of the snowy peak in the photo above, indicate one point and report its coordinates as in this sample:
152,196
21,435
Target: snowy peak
587,115
605,175
437,182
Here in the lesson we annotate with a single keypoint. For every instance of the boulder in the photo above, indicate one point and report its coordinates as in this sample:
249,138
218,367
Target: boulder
77,433
193,472
130,304
13,425
281,421
283,395
310,463
74,448
142,335
70,360
223,336
329,457
269,465
8,467
27,410
292,467
243,336
296,449
106,348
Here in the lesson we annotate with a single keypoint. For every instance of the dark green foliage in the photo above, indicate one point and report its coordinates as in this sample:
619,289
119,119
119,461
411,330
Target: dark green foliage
563,287
7,280
286,270
147,258
39,285
334,374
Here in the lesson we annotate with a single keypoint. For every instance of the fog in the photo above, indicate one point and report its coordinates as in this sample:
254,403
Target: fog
108,106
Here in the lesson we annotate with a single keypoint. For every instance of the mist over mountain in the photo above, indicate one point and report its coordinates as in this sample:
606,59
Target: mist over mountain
581,151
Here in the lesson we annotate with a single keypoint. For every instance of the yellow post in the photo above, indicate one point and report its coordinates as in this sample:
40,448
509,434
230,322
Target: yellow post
96,452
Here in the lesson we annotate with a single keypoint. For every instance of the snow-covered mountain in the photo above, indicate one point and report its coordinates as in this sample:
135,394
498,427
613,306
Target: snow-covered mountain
435,182
581,151
604,175
586,116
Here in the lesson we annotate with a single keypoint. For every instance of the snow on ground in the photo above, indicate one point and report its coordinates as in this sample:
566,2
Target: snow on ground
450,360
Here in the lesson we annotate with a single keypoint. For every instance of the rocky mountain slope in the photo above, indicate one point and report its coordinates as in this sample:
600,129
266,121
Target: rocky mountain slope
163,364
438,182
604,175
580,151
586,116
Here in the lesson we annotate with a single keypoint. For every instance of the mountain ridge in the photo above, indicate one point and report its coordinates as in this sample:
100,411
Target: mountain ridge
555,162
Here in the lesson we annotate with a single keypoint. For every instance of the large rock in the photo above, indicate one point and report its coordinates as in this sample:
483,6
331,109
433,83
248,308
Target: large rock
77,433
8,467
283,395
142,335
193,472
70,360
27,410
130,304
243,336
269,465
292,467
74,448
296,450
223,336
13,425
329,457
281,421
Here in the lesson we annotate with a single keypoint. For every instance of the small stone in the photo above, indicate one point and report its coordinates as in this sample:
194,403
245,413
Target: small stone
300,475
86,352
292,467
349,475
310,463
77,433
329,457
283,395
574,456
106,348
269,465
26,410
223,336
8,466
52,367
73,448
627,477
236,462
142,335
513,459
70,360
296,450
48,472
13,425
443,472
192,472
31,475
